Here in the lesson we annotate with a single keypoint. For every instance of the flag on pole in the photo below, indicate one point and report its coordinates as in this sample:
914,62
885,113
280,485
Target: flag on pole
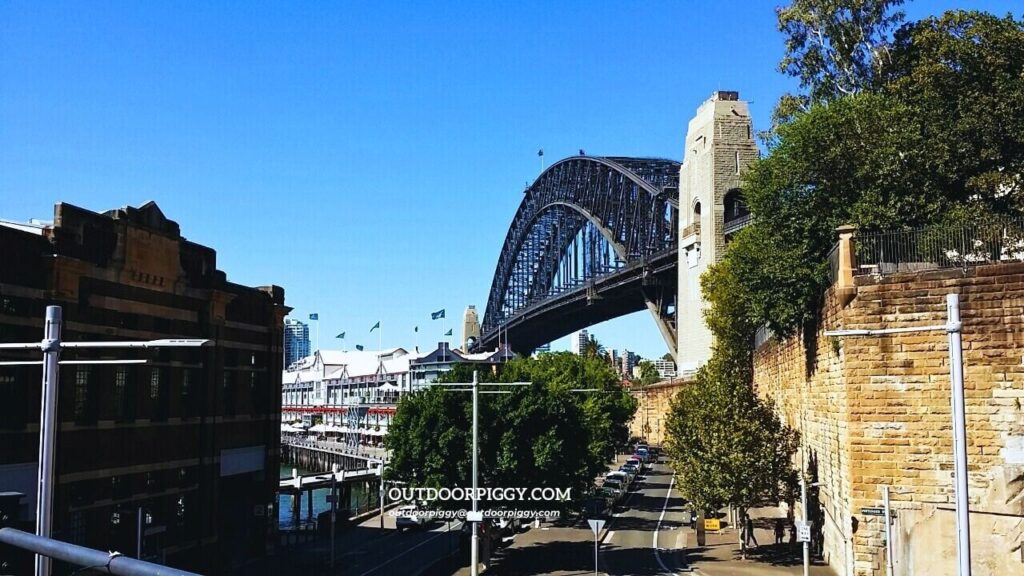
314,316
540,152
375,326
438,314
416,329
359,347
342,336
449,332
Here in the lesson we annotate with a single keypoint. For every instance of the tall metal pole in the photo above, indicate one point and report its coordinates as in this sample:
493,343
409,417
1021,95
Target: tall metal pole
803,504
475,544
334,506
381,498
956,371
888,532
138,534
48,430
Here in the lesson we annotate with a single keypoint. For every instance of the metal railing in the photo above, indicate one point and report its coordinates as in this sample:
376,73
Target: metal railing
939,247
736,224
94,560
833,264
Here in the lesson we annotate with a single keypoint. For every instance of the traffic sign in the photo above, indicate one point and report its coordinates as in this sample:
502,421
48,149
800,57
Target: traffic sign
872,511
712,524
596,525
803,531
474,516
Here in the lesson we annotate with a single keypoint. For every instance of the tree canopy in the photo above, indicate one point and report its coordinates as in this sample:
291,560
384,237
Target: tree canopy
539,435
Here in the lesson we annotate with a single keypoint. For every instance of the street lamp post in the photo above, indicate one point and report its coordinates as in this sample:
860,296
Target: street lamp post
474,387
51,347
954,328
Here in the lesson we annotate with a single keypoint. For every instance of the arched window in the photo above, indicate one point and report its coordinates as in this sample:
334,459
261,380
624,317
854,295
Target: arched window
734,205
696,212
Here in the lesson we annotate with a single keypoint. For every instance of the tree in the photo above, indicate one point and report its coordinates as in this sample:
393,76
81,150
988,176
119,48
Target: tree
538,435
836,47
727,446
594,349
648,373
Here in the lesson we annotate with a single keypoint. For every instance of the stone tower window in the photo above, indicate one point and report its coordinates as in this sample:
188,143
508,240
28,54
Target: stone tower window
737,157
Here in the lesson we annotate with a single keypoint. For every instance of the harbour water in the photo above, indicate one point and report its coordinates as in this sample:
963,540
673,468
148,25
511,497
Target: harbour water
320,504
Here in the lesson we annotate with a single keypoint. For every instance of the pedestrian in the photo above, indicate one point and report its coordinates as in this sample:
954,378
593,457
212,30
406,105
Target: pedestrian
792,532
749,536
780,531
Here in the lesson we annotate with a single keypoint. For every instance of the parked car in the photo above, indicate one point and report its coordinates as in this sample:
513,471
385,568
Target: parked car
643,453
623,477
485,529
408,516
616,486
639,463
630,468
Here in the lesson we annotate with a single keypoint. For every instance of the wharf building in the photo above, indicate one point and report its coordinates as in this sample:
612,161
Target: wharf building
190,437
353,395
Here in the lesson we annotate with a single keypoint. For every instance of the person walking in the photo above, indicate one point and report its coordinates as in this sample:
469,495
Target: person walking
780,531
749,529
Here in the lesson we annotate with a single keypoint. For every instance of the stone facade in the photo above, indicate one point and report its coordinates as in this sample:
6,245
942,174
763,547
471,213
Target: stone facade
652,410
875,411
719,145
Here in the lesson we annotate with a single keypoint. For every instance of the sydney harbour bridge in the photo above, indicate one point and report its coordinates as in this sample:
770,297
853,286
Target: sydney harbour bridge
594,238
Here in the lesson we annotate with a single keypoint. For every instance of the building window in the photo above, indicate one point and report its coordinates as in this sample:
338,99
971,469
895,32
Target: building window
124,396
737,156
189,395
157,396
230,393
84,403
12,391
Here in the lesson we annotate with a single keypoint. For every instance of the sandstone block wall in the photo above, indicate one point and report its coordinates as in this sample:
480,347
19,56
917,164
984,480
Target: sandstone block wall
652,410
876,411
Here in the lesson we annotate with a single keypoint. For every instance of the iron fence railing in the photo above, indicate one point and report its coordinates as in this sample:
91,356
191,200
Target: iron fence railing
938,247
736,224
833,264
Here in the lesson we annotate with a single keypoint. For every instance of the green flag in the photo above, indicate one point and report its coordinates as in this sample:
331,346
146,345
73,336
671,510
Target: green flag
342,336
359,347
416,329
449,332
375,326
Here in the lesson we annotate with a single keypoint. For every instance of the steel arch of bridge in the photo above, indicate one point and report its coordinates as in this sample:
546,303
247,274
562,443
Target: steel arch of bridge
615,215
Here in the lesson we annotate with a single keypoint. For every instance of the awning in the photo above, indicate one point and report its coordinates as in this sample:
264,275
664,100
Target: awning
319,428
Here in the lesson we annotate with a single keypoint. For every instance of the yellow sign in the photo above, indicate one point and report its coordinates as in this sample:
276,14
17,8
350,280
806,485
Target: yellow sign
712,524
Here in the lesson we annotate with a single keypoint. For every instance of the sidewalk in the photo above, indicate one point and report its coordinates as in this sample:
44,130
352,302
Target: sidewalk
721,554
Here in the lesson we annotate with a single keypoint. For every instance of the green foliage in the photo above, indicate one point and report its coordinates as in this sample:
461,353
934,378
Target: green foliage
726,445
836,47
648,373
539,435
938,137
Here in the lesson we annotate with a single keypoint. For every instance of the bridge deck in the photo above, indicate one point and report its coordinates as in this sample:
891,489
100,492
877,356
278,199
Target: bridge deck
314,481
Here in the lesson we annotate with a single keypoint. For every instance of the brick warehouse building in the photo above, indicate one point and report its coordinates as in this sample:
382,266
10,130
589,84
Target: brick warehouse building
191,436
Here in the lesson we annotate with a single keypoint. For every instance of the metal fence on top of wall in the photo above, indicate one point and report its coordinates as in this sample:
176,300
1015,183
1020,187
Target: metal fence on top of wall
937,247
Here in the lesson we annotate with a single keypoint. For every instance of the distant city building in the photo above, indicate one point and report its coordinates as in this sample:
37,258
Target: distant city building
191,437
578,342
626,363
542,349
296,341
470,327
665,368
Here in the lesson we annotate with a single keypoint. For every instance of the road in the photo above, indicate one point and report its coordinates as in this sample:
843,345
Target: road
629,545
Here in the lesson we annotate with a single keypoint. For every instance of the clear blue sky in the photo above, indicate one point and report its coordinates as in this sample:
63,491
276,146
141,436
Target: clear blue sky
366,156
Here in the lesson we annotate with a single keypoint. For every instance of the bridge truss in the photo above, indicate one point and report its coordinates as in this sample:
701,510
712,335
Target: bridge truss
588,228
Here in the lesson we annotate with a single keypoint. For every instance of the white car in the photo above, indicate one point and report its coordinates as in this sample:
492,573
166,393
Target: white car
408,516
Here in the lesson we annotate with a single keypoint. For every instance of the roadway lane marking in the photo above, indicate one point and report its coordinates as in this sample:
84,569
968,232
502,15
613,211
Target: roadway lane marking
608,536
427,541
657,552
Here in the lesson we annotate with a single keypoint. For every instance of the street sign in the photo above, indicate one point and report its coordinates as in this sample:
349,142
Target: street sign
712,524
474,516
872,511
803,531
596,525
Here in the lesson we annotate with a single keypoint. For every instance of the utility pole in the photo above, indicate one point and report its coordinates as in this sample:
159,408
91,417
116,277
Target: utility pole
51,347
475,548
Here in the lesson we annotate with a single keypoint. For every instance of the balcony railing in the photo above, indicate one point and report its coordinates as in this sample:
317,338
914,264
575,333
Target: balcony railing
736,224
691,230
